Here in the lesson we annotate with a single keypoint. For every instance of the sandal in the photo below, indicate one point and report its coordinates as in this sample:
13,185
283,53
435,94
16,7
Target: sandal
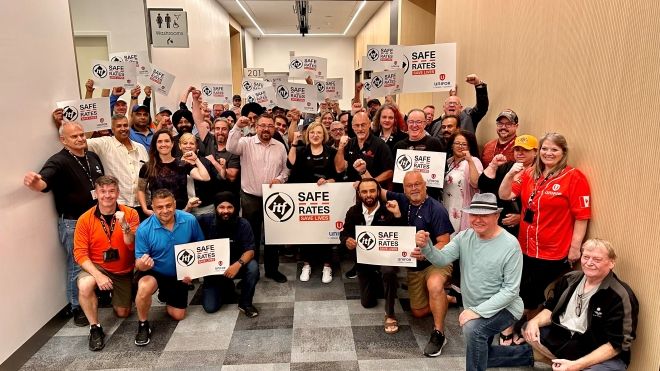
506,338
518,340
391,325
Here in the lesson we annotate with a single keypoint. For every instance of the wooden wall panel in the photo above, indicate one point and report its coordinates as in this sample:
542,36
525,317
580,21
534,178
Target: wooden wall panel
375,32
589,70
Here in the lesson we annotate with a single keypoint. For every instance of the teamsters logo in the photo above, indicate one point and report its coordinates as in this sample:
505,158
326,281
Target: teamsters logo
279,207
366,241
404,162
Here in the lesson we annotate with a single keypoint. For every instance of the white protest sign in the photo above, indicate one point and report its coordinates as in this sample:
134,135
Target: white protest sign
169,28
301,96
383,57
203,258
161,80
108,74
139,59
265,97
330,88
429,68
216,93
384,83
389,246
314,67
248,85
93,114
299,214
253,73
430,164
276,78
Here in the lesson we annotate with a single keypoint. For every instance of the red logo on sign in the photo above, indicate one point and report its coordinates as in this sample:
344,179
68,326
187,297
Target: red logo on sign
432,176
220,263
339,225
442,77
404,253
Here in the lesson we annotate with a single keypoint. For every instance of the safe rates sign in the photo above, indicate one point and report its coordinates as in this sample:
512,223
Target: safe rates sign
301,96
385,245
203,258
314,67
216,93
430,164
108,74
306,213
92,114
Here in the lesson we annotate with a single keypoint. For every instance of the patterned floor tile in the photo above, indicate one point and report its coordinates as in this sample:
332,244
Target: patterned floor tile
371,342
259,346
316,314
271,316
326,366
203,331
322,344
191,360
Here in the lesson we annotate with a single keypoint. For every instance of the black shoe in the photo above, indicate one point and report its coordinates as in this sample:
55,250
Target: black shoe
66,312
79,318
352,273
96,338
276,276
143,336
250,311
434,347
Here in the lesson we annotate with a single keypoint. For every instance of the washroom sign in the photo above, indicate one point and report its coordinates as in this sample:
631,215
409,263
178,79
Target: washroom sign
169,28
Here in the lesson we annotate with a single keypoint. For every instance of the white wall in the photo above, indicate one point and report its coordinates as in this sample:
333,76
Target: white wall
207,59
249,49
272,54
32,270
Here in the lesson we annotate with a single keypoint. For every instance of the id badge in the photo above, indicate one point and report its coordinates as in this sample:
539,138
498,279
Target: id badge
93,193
529,216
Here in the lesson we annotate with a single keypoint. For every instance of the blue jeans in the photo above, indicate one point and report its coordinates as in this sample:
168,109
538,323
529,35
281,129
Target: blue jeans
479,334
65,229
218,289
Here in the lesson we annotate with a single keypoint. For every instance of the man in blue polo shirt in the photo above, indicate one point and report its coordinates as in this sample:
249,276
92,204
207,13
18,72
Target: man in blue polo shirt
140,131
154,258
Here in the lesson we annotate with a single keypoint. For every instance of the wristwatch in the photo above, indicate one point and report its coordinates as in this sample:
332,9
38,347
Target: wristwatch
241,262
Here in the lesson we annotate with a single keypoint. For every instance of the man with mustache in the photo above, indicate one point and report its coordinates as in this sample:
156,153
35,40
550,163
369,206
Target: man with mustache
140,130
507,126
226,163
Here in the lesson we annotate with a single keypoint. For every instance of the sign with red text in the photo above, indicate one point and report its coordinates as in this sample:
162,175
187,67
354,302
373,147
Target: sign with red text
384,83
108,74
203,258
383,57
265,97
160,80
276,78
139,59
216,93
306,213
430,164
93,114
301,96
249,85
390,246
330,89
314,67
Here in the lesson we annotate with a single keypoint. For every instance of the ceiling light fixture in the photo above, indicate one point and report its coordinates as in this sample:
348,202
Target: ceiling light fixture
249,16
362,4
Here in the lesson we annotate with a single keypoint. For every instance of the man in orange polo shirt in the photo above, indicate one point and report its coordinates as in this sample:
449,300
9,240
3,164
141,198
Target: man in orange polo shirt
103,246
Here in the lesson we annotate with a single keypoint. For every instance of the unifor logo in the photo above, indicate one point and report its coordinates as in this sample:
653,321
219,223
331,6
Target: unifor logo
296,64
320,86
373,54
185,257
404,162
207,91
116,59
283,92
247,86
279,207
404,253
70,113
99,71
377,81
366,241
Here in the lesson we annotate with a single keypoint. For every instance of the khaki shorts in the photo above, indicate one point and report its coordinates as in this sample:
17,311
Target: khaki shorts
417,290
121,286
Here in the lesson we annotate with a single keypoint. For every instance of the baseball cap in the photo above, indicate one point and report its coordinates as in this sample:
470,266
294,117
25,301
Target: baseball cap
164,109
138,107
509,114
526,141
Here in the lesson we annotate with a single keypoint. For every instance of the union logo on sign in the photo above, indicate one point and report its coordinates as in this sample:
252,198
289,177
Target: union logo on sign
185,257
70,113
99,71
296,64
442,77
366,241
404,161
373,54
279,207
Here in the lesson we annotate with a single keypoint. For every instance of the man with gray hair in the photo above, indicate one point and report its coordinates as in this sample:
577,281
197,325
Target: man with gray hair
70,174
469,116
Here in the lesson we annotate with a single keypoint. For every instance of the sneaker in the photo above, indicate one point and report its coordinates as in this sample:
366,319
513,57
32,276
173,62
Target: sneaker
96,338
352,273
143,336
435,345
250,311
327,275
306,271
276,276
79,318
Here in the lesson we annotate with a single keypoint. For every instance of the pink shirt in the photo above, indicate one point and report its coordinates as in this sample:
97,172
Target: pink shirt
260,163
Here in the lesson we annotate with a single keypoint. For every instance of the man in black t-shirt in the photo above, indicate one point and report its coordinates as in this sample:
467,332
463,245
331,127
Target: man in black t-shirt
70,174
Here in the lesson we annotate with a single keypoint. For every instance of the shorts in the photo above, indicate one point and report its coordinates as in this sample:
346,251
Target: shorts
122,285
537,274
172,291
417,290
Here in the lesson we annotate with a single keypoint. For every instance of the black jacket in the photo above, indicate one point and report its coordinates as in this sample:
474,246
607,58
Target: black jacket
354,217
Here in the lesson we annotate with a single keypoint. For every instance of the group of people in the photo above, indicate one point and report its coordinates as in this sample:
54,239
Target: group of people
504,231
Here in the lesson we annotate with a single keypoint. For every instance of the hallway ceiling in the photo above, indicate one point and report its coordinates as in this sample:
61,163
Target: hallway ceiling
277,18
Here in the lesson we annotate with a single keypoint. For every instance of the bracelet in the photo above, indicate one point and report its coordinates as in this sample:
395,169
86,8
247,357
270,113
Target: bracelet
132,97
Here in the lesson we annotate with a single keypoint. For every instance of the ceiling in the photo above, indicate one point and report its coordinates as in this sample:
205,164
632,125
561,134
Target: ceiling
277,18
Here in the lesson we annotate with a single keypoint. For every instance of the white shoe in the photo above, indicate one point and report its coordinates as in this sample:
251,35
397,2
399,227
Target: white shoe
327,275
306,271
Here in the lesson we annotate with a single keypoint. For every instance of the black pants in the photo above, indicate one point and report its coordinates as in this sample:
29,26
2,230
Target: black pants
375,281
253,211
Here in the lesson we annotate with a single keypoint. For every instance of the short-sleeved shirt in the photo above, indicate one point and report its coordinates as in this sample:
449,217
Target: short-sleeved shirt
232,161
141,138
158,242
494,148
427,143
430,216
171,176
90,240
558,202
309,168
241,239
71,179
374,152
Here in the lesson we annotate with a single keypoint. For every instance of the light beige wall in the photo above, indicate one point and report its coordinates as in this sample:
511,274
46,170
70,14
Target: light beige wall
589,70
375,32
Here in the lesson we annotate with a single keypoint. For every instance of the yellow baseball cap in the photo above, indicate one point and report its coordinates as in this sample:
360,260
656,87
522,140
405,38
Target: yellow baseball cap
526,142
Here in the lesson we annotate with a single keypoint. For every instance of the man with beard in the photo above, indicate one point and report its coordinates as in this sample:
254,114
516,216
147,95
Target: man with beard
469,116
123,159
449,126
372,107
219,289
263,161
507,124
140,131
236,104
374,279
226,163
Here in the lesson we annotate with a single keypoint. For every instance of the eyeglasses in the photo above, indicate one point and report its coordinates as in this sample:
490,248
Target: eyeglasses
416,122
507,124
337,129
452,104
413,185
269,127
462,145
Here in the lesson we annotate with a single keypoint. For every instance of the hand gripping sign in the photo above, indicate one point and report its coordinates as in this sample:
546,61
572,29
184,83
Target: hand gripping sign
203,258
430,164
93,114
389,246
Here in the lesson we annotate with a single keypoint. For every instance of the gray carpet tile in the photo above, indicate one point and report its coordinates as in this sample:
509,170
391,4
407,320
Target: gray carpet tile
259,346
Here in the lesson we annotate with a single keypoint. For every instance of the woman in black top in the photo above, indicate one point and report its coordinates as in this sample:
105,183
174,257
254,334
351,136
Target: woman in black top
387,124
313,163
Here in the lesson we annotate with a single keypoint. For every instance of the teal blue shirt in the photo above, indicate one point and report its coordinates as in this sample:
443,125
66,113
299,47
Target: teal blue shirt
490,271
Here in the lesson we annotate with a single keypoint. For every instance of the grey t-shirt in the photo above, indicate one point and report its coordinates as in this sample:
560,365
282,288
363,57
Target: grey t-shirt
570,318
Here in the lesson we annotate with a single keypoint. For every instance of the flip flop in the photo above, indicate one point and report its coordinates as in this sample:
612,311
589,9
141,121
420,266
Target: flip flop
505,338
391,325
